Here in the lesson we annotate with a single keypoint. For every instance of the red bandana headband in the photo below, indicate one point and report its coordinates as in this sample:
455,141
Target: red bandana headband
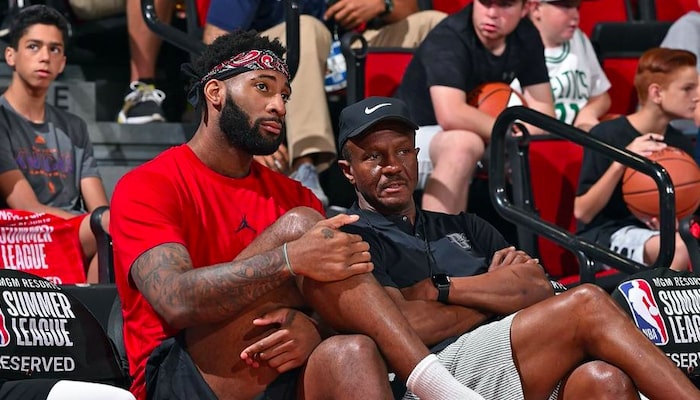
252,60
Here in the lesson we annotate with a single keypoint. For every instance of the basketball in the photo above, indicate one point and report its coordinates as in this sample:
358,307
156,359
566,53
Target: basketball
642,196
494,97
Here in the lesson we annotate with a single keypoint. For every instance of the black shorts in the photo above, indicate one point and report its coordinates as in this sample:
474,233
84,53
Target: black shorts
171,374
27,389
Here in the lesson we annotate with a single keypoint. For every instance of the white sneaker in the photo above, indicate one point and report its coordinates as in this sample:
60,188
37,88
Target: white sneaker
142,105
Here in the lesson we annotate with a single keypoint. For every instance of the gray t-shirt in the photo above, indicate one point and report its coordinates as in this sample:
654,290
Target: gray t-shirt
684,34
53,156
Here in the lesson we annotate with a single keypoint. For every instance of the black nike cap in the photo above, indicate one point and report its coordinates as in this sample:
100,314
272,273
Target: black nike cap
357,118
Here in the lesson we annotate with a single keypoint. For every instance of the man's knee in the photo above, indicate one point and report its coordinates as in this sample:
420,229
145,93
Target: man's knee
587,293
590,301
599,380
428,18
299,220
347,350
457,147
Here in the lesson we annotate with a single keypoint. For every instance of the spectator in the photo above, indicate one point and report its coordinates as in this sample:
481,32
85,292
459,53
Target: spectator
579,85
310,135
222,318
46,158
143,104
683,35
479,302
666,82
487,41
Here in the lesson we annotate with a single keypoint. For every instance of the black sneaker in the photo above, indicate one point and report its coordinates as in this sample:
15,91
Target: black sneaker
142,105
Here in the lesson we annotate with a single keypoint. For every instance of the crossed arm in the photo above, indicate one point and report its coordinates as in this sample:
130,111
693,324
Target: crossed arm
514,281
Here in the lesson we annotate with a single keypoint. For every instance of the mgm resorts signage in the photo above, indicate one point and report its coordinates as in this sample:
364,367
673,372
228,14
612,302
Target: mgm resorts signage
46,333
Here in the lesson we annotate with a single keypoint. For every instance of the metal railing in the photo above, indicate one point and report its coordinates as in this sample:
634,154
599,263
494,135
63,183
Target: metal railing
523,214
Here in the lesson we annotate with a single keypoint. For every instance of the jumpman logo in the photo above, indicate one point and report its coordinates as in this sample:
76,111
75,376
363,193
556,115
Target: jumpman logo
244,225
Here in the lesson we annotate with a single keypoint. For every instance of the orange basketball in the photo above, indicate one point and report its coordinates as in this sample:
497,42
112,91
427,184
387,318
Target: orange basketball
494,97
642,195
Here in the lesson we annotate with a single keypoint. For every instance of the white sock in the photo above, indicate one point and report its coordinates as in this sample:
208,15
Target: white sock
430,380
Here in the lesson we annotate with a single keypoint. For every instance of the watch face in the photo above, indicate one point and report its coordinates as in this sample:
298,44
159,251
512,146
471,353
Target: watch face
441,279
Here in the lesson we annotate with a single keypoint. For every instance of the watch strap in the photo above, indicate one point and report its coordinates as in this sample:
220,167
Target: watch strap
443,293
388,8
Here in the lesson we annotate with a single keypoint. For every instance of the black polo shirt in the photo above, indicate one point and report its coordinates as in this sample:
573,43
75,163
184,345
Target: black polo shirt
452,55
403,254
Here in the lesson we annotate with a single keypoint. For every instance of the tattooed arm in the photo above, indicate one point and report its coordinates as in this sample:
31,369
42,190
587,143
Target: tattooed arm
184,296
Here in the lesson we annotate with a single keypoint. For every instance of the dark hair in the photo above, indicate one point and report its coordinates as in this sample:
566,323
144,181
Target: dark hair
223,48
227,46
33,15
657,65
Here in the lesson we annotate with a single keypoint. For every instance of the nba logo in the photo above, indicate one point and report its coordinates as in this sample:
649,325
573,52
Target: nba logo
4,333
645,310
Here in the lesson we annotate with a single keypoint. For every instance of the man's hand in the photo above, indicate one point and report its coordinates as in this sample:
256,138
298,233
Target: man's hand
277,161
288,346
327,254
510,256
352,13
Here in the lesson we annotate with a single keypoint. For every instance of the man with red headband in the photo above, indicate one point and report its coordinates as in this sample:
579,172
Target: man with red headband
218,258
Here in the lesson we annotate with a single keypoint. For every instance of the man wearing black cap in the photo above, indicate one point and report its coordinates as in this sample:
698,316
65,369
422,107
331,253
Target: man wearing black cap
452,273
207,247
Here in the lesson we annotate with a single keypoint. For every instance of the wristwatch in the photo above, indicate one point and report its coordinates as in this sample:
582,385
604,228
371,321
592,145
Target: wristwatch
388,8
442,282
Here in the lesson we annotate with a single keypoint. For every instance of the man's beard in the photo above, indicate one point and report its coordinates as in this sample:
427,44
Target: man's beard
234,123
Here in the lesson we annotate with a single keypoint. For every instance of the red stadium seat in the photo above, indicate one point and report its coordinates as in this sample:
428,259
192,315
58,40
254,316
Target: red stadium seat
620,71
372,71
554,170
384,69
202,8
671,10
593,12
450,6
619,45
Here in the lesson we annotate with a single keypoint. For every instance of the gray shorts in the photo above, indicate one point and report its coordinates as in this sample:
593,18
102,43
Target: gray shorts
482,360
629,242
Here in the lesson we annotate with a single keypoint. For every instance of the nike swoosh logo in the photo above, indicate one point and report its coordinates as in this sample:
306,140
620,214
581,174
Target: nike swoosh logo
375,108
